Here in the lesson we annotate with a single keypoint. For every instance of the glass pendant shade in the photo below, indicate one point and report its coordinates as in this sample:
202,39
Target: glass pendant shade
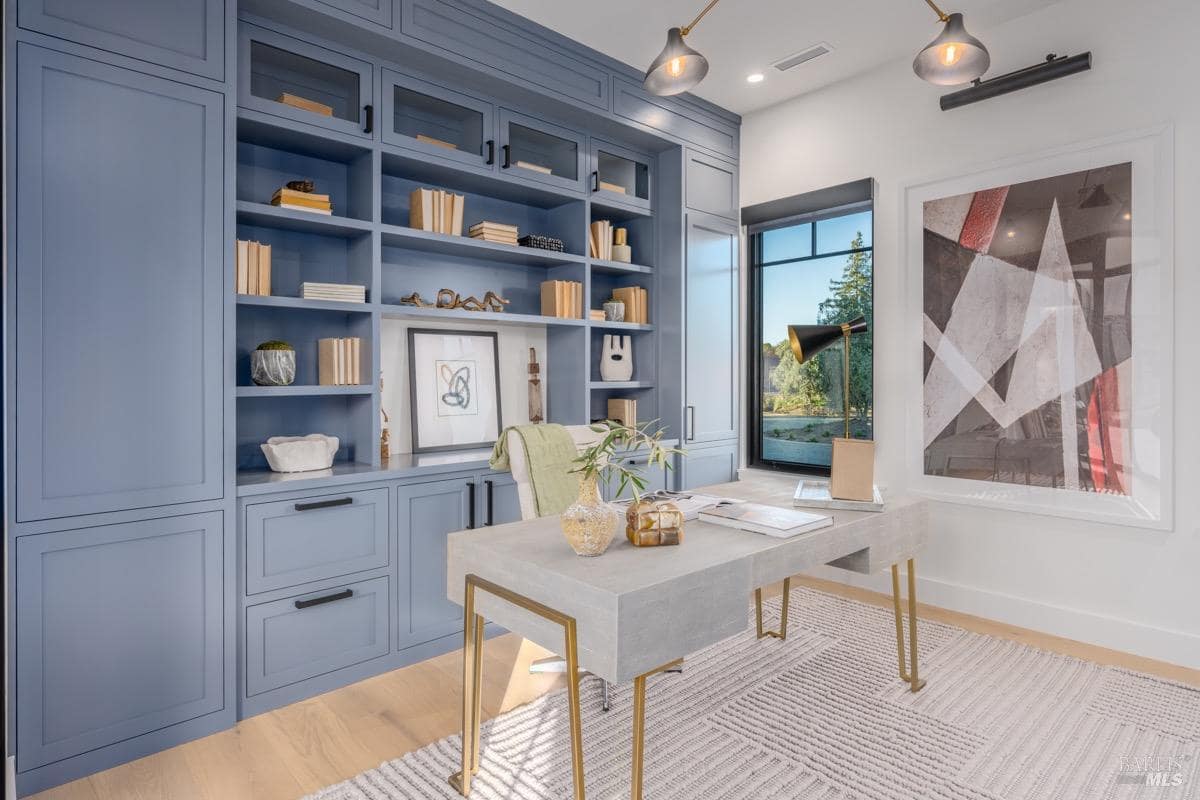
954,57
677,68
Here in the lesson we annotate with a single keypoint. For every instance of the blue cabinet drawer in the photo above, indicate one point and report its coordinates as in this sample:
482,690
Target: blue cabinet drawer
297,638
291,542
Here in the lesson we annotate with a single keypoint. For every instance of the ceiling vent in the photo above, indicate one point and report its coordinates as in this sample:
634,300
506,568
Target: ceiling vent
796,59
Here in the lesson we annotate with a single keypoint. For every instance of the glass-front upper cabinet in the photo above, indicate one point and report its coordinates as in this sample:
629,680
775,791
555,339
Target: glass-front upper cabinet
436,120
620,175
290,78
540,151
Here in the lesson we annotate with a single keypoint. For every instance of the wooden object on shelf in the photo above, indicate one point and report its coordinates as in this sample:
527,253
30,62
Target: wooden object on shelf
296,101
535,167
623,410
415,299
562,299
535,388
852,474
636,301
439,142
385,433
450,299
613,187
339,361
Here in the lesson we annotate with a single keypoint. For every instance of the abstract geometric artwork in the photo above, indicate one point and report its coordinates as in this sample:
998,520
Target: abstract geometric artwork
454,389
1027,299
1038,325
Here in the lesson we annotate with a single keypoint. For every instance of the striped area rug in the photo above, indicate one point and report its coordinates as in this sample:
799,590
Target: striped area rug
823,716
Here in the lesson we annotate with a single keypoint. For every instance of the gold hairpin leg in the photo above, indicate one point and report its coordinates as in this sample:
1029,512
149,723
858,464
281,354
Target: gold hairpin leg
473,680
639,726
915,683
783,613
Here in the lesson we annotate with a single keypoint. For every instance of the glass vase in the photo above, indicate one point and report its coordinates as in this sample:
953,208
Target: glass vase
589,523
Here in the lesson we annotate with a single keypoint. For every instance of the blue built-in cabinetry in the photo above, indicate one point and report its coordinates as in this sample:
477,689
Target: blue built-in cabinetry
163,583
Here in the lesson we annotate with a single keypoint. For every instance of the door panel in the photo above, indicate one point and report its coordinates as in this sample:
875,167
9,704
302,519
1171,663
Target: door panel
538,151
427,512
119,376
708,466
451,125
711,186
119,633
711,337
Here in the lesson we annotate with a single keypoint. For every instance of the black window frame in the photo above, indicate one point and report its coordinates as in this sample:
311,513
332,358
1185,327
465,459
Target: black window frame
754,318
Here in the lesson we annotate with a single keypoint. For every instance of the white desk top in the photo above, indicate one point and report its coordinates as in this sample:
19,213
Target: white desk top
638,608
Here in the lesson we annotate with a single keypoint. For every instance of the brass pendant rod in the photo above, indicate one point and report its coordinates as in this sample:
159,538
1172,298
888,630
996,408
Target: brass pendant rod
942,17
686,29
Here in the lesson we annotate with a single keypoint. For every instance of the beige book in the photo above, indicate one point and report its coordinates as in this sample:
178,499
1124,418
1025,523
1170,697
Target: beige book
326,362
264,270
295,101
852,476
549,290
447,212
578,301
440,143
356,361
534,167
613,187
340,360
242,267
252,268
460,202
419,209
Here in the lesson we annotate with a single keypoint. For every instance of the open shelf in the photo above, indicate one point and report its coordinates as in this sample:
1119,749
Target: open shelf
620,384
446,244
601,266
467,181
302,391
300,304
269,216
628,327
395,311
605,209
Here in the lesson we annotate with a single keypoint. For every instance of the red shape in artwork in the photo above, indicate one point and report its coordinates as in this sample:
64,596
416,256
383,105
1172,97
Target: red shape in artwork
982,219
1105,431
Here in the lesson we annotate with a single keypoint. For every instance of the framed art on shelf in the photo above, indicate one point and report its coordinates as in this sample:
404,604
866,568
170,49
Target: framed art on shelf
454,386
1039,319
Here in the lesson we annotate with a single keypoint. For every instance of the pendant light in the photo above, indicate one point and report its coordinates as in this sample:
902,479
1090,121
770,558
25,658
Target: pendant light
678,67
954,57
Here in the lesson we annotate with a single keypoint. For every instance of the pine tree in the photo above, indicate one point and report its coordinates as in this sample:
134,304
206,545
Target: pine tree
851,298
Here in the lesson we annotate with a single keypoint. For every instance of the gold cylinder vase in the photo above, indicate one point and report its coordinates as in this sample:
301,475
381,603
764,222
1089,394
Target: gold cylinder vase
589,523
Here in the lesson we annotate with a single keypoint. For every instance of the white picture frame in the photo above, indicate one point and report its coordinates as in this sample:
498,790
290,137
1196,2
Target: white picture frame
1149,501
454,389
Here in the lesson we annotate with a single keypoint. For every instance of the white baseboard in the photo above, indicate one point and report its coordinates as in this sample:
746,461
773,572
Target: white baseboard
1127,636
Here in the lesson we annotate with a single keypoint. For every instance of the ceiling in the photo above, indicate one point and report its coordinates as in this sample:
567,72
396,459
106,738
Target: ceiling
743,36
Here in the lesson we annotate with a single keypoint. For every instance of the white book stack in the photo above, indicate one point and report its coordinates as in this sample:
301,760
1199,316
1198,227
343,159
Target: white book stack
341,292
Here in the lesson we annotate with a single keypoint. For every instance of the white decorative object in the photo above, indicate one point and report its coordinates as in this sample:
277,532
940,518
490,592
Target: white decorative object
616,358
300,453
1040,358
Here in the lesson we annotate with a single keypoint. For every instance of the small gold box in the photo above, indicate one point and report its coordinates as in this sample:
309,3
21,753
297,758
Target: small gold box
650,523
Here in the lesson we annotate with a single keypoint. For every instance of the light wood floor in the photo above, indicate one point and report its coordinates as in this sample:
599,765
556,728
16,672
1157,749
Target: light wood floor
287,753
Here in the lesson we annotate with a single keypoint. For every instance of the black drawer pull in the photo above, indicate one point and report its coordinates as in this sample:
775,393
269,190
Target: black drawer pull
490,493
341,501
370,114
471,505
329,598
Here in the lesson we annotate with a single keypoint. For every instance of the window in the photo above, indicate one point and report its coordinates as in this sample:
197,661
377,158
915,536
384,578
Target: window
813,268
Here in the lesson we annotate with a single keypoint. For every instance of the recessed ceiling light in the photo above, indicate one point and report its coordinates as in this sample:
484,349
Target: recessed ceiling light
754,77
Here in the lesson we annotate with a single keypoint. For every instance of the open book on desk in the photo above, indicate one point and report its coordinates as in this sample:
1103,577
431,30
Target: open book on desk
690,504
782,523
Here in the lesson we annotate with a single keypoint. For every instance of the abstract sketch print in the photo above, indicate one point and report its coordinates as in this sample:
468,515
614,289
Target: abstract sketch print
1028,350
456,384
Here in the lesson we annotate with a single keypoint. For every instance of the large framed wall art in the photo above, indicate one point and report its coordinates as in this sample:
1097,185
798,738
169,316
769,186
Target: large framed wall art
454,385
1039,322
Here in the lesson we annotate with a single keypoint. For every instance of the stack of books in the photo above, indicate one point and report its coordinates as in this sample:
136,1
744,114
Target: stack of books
341,292
782,523
253,270
596,314
494,232
636,301
623,410
436,211
339,361
600,239
563,299
302,201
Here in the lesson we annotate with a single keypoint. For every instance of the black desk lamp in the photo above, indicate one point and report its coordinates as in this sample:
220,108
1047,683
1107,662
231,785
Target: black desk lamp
808,340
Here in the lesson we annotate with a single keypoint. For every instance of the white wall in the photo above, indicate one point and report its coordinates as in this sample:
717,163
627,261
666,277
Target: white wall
513,342
1130,589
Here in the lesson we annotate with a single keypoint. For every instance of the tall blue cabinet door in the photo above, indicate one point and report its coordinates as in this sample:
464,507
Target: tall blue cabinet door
119,633
711,338
119,378
426,513
187,35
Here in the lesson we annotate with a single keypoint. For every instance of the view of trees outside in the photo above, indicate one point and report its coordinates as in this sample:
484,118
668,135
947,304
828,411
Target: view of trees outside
802,403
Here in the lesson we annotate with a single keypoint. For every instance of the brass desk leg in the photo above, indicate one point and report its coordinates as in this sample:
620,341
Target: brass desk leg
473,680
639,726
783,613
915,683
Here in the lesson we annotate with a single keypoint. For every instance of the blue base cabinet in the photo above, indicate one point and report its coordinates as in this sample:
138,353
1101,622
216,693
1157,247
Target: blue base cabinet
120,632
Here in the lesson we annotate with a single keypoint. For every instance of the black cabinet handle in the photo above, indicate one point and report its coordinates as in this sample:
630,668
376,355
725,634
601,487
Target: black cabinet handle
595,181
329,598
491,157
488,486
506,164
341,501
370,114
470,505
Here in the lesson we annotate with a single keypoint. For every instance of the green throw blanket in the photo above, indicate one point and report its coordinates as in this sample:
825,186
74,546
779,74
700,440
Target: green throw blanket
550,453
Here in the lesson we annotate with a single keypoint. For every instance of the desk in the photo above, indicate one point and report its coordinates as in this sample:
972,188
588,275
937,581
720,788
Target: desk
633,612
